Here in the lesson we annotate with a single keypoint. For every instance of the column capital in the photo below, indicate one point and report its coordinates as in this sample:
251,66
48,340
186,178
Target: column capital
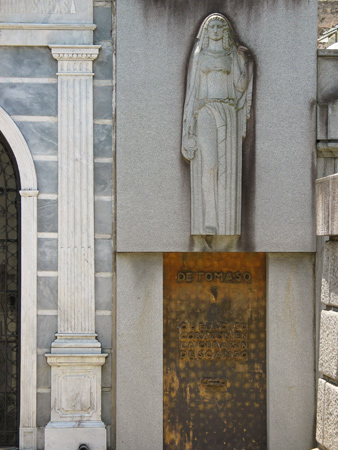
75,52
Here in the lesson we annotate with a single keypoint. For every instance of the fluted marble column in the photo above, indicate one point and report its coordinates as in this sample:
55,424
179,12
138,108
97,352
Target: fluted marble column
75,357
76,191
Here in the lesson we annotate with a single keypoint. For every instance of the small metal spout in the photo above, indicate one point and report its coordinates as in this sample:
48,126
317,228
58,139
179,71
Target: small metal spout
83,447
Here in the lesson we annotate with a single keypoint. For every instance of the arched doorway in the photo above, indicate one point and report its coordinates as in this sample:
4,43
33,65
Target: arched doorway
9,297
28,274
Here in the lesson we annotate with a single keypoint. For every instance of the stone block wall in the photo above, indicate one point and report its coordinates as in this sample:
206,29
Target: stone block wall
327,406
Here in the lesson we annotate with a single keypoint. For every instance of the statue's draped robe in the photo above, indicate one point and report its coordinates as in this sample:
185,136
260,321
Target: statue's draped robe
230,116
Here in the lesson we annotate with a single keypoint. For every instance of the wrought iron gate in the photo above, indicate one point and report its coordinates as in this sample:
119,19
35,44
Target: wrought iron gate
9,298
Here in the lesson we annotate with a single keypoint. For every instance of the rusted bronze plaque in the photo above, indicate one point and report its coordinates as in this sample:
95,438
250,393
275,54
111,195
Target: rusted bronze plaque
214,351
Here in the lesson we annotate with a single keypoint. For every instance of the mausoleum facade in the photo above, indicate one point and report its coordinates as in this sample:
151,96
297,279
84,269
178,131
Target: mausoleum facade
160,277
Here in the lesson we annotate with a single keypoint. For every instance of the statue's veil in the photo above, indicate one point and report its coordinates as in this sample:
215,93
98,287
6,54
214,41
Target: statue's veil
188,119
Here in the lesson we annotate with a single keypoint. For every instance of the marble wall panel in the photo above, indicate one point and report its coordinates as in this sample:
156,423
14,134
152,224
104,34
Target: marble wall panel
107,370
103,182
103,20
47,327
106,407
43,408
103,108
103,293
47,288
103,325
103,141
47,173
103,255
103,217
47,216
43,372
31,62
29,99
47,254
41,137
103,67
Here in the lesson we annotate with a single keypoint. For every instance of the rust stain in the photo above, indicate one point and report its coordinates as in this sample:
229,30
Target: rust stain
214,351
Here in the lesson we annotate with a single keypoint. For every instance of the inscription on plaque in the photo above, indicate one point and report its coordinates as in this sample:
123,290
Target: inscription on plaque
38,6
214,351
213,340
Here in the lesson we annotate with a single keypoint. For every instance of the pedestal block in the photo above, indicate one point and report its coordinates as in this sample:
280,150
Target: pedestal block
76,402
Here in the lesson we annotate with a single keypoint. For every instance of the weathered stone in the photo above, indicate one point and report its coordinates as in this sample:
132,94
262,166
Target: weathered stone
327,76
327,205
320,411
328,349
333,120
327,415
322,121
329,292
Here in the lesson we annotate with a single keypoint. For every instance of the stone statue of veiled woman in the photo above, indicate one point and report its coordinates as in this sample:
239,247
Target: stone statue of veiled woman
217,106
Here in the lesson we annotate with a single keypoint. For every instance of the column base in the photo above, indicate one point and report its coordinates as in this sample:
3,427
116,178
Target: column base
70,435
27,438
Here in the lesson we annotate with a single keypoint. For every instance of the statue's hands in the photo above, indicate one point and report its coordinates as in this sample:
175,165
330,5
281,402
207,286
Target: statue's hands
189,147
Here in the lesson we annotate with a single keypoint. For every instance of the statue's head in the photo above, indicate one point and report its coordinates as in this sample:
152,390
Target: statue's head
216,27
